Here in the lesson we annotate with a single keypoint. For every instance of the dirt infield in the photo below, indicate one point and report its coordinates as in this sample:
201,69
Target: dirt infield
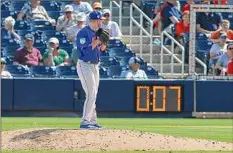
101,140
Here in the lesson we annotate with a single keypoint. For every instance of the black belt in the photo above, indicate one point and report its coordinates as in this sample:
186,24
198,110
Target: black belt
91,62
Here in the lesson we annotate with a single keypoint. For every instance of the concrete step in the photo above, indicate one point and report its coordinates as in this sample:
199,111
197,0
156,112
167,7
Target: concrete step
156,58
135,38
167,68
125,20
126,29
145,48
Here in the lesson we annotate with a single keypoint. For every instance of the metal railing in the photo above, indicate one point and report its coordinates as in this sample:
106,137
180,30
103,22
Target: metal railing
119,6
173,56
142,30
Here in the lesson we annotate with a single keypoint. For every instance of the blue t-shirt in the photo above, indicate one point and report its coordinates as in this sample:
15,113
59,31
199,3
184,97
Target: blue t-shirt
209,22
84,45
169,11
224,60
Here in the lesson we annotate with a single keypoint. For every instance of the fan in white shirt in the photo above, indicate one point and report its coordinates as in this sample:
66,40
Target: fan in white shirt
110,26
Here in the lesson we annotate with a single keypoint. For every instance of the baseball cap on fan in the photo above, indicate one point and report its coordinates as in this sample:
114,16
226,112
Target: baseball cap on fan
29,37
54,40
96,15
134,60
68,8
106,11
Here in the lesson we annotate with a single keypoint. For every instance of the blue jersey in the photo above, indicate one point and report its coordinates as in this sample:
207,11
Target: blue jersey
84,45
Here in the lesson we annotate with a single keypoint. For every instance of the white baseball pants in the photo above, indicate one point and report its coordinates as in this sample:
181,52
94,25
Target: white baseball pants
89,77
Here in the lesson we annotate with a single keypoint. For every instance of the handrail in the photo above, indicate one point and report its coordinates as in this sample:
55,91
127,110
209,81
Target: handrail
202,64
120,11
140,26
174,41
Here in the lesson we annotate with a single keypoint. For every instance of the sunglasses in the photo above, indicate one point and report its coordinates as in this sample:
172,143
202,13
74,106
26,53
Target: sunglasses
106,15
68,12
230,48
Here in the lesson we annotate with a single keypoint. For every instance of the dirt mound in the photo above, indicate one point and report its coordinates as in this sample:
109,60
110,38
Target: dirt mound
66,139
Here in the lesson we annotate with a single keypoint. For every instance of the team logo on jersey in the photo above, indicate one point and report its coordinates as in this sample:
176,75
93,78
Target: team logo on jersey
82,41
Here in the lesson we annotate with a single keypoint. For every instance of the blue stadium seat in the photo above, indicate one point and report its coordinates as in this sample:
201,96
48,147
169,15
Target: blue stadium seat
115,43
201,36
120,52
55,14
148,7
17,5
18,71
203,45
43,71
107,61
40,43
67,71
103,72
22,33
48,34
114,71
42,50
51,5
5,5
61,36
22,25
42,25
105,53
124,61
11,50
5,13
151,72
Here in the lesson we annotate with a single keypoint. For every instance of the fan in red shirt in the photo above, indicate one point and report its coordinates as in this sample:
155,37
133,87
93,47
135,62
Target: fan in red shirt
183,26
230,68
219,2
187,6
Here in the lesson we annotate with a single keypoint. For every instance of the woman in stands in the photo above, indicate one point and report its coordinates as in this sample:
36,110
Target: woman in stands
183,26
9,26
217,50
55,56
34,11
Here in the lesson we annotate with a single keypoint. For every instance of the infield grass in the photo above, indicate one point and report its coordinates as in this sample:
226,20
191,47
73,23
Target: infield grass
212,129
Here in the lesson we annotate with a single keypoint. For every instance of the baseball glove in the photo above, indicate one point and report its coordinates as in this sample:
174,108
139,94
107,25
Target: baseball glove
103,36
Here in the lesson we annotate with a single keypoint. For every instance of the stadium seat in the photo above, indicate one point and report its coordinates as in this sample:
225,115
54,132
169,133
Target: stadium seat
103,72
105,53
148,7
120,52
40,43
107,61
66,71
51,5
42,25
201,36
43,71
5,5
203,45
22,25
61,36
18,70
42,50
115,43
5,13
11,50
151,72
114,71
54,14
48,34
17,5
124,61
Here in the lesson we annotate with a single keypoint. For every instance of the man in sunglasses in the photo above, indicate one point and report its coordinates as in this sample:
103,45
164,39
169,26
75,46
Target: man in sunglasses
110,26
67,20
224,60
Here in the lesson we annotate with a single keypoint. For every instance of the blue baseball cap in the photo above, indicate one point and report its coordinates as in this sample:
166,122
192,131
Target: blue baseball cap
95,15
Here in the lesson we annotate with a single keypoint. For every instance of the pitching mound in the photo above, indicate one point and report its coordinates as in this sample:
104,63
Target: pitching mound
64,139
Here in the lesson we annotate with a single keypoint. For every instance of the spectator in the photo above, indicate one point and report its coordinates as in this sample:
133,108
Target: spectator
134,71
72,31
9,26
97,6
4,73
67,20
225,59
208,22
170,14
28,55
187,6
224,28
34,11
110,26
217,50
79,6
219,2
229,2
230,68
55,56
183,26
